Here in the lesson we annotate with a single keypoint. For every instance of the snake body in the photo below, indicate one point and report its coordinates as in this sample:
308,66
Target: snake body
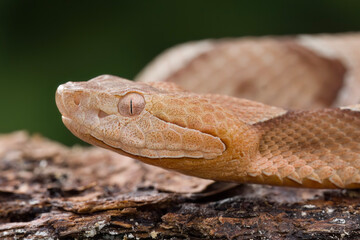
226,138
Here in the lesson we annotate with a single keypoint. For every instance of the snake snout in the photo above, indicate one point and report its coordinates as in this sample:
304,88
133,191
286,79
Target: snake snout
67,99
59,99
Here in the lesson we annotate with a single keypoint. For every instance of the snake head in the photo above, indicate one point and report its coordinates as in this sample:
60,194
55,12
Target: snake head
127,116
153,122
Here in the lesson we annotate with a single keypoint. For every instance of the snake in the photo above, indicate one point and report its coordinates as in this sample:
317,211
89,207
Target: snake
269,110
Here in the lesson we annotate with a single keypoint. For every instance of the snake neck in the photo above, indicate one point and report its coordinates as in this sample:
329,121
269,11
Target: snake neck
315,149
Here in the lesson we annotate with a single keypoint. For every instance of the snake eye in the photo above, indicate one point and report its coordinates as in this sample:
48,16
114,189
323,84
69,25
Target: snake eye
131,104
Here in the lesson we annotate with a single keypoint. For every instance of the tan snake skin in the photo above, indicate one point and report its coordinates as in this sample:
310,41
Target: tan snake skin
227,138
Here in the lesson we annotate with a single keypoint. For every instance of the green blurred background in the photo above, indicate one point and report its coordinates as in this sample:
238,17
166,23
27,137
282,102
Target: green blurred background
46,43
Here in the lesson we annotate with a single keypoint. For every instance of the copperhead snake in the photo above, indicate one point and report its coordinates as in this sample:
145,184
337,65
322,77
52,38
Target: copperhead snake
255,110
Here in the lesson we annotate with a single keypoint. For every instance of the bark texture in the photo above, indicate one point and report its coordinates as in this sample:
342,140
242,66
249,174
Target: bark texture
50,191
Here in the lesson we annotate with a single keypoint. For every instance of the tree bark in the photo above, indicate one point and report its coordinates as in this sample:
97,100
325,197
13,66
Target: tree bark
50,191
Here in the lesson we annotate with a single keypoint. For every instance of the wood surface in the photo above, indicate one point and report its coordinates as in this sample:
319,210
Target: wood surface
48,191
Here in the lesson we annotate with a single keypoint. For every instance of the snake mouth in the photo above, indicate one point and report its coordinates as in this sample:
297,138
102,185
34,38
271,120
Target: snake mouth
87,137
78,131
85,133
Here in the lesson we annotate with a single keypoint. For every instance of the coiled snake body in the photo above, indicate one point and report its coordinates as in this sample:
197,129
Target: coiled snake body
226,138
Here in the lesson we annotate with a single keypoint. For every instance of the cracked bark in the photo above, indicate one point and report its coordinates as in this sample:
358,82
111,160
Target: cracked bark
49,190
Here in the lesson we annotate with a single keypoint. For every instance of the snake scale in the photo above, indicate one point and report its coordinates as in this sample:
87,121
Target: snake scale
250,110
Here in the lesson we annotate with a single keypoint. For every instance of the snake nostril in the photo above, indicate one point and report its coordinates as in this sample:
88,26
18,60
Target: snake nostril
77,100
102,114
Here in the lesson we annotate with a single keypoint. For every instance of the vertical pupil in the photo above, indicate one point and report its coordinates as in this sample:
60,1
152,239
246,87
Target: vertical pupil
131,107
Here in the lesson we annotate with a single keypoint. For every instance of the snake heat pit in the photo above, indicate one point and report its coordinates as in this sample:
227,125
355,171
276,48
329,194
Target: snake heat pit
233,123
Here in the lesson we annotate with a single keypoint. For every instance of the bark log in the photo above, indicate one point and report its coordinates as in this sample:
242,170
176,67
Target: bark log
50,191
